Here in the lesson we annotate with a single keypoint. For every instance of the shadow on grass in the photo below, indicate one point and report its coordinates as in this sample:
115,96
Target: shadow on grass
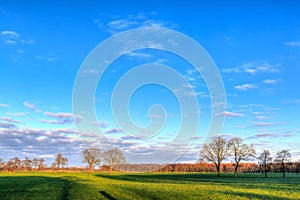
251,195
253,181
45,187
106,195
245,186
199,178
33,187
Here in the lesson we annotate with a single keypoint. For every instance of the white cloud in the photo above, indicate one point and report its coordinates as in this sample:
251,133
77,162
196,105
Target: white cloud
121,24
260,117
252,68
2,105
31,106
10,42
293,43
48,58
231,70
9,120
124,23
297,101
229,114
140,55
114,130
102,124
245,87
7,125
13,37
266,124
18,114
271,81
61,118
40,143
10,34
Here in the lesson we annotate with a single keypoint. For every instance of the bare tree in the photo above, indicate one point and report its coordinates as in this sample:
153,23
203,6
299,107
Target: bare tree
53,166
92,157
35,163
16,163
241,152
2,163
215,151
265,158
112,157
60,161
282,157
26,163
41,164
9,165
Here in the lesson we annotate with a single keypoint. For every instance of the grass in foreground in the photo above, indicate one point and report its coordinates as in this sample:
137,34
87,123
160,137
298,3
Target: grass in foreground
146,186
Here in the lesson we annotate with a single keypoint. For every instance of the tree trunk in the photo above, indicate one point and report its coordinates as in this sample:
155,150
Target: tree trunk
218,169
110,170
283,171
235,170
91,168
265,170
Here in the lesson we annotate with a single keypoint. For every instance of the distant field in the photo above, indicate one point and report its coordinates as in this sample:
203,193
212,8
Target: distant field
146,186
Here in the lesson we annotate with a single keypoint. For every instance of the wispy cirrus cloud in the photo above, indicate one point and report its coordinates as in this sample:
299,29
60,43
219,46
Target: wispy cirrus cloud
114,130
61,118
265,124
48,57
246,87
31,106
271,81
7,125
260,117
13,37
102,124
3,105
10,34
293,43
296,101
18,114
253,68
7,119
229,114
119,24
269,135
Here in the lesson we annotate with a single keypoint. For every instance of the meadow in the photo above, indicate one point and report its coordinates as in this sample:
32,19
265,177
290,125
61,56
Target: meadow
66,185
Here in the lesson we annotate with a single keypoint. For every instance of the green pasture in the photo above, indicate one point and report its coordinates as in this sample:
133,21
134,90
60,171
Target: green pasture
147,186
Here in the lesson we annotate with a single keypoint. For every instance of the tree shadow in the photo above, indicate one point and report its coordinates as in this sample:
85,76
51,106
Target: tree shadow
106,195
252,181
28,187
251,195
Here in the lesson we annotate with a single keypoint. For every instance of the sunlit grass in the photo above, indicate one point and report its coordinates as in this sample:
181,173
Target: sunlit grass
147,186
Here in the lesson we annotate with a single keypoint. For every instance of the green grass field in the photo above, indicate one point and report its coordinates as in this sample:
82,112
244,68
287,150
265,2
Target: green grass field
147,186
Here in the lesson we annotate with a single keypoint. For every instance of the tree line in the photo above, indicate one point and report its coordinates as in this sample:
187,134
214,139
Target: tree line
212,157
92,156
220,149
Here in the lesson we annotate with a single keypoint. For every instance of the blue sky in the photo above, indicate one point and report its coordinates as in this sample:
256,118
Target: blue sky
256,47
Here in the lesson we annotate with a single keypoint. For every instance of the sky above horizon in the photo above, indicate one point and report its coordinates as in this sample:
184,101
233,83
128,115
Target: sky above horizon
255,46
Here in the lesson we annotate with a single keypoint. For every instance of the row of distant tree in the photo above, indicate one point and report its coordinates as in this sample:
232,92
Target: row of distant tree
91,156
220,149
35,164
212,157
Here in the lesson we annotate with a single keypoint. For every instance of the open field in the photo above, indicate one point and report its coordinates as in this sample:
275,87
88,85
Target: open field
147,186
